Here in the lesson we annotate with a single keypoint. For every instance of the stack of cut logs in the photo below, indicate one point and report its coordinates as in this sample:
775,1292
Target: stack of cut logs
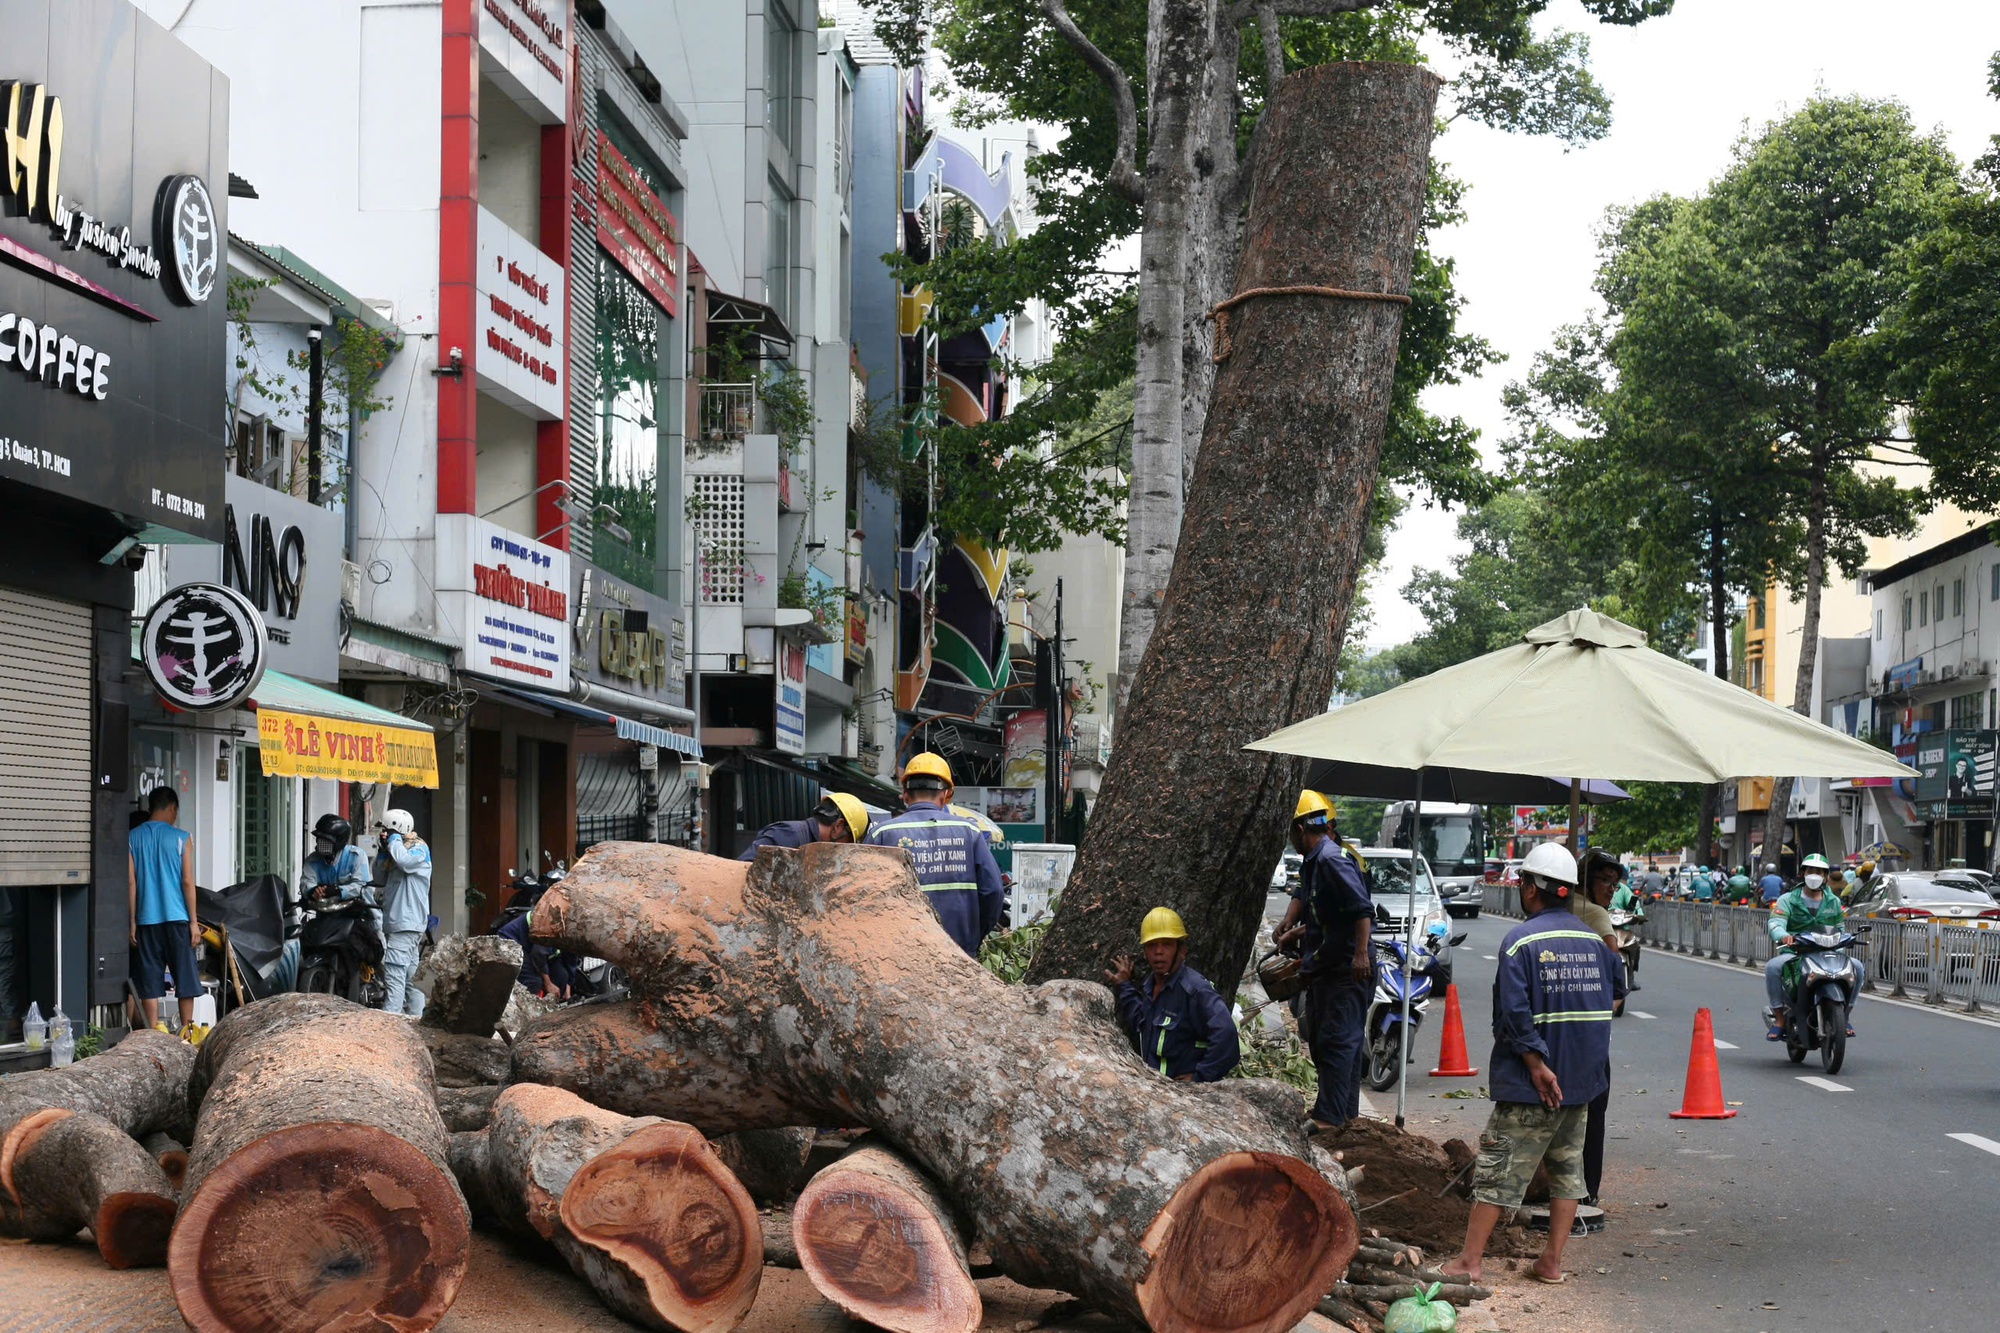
337,1156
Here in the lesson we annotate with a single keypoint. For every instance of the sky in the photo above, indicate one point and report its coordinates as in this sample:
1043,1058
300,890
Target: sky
1683,89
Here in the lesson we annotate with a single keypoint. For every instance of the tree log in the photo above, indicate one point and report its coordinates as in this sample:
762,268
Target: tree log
139,1085
879,1241
816,987
641,1209
465,1109
1249,635
771,1163
71,1169
319,1190
467,981
465,1061
170,1154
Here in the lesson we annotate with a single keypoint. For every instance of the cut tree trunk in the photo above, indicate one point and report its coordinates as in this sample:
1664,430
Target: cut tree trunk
464,1109
139,1085
878,1240
641,1208
816,987
169,1152
461,1060
467,981
771,1163
67,1170
1265,570
319,1188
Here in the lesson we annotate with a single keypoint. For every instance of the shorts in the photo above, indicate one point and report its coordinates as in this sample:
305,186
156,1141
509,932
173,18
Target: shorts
1518,1138
165,945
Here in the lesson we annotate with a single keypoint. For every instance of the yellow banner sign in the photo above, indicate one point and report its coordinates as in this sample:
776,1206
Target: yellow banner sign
296,745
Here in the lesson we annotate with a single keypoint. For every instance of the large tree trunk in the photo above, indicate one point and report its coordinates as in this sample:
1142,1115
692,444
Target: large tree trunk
467,981
139,1085
879,1241
67,1170
319,1188
641,1209
1275,527
1802,685
816,987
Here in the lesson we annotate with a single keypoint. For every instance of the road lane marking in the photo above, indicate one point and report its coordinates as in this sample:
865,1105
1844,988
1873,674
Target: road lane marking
1640,1013
1826,1083
1978,1141
1722,1045
1491,957
1917,1006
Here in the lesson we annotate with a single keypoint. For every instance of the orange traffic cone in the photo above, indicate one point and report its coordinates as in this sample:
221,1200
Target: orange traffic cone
1452,1059
1703,1100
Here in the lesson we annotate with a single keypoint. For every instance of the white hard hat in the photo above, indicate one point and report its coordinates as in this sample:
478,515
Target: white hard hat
1551,860
400,821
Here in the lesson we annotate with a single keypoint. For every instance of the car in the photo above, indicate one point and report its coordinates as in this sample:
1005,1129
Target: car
1977,879
1389,885
1917,895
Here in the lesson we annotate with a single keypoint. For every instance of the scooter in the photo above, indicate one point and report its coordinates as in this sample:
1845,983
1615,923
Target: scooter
1625,932
340,951
1395,974
1821,984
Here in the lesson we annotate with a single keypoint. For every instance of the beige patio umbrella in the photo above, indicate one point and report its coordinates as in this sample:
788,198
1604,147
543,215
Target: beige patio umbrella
1582,695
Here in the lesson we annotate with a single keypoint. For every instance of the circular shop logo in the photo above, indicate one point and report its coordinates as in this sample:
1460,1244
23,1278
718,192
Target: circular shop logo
193,240
203,646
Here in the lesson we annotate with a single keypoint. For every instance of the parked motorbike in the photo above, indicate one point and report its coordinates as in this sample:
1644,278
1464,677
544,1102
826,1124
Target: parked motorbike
1625,933
1398,970
340,950
1821,984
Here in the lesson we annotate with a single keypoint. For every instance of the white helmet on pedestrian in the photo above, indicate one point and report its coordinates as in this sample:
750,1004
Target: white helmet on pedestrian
1552,862
400,821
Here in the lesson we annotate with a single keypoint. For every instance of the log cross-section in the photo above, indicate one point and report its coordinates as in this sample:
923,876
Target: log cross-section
879,1241
67,1170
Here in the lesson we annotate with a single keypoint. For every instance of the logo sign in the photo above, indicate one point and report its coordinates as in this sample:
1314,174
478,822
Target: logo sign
191,237
623,636
520,302
635,228
506,600
203,646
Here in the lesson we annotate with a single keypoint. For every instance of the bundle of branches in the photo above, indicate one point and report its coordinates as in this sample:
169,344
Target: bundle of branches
1384,1271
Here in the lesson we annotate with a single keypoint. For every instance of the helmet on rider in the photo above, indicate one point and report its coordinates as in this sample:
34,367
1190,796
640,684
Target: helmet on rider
334,829
400,821
1814,870
1553,868
1813,862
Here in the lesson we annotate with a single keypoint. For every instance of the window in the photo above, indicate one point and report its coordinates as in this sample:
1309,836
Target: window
1923,608
1993,708
1996,581
1906,614
1878,624
626,418
1757,613
1937,603
1965,710
1958,597
779,66
778,251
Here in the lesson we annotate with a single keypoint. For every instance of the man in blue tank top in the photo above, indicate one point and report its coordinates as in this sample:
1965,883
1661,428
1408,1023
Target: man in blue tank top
160,893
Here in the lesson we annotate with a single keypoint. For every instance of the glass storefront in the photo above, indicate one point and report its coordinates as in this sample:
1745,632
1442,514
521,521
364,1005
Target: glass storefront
627,424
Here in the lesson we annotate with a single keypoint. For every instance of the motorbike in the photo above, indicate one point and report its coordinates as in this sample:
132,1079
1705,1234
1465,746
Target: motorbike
1625,932
1399,970
1821,984
340,950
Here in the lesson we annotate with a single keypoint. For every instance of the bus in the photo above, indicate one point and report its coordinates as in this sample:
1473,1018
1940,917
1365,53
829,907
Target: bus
1454,844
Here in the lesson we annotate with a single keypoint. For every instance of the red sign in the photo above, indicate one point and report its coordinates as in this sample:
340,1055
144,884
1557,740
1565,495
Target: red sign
635,228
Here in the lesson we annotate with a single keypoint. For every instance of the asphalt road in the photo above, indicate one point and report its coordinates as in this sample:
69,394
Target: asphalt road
1859,1203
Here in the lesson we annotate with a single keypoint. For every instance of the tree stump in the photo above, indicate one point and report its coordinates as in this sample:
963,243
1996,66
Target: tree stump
816,987
67,1170
878,1240
641,1209
467,981
319,1192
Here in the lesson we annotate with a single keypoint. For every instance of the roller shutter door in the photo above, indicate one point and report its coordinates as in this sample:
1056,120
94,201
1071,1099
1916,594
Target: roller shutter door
45,768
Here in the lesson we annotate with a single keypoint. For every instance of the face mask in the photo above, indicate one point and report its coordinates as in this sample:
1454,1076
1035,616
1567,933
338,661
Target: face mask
1814,881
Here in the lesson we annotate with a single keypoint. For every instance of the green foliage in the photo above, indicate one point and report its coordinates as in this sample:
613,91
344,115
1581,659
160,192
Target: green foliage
1361,820
1660,817
90,1043
788,411
1547,89
1281,1056
1007,953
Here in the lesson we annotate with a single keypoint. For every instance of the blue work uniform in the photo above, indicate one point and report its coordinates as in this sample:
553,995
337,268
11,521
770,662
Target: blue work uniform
784,833
1185,1029
955,868
1553,991
1334,1017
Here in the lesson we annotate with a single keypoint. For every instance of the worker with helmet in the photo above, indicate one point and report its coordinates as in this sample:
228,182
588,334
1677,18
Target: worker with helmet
1553,989
1174,1017
334,869
1804,910
403,867
951,855
837,818
1333,919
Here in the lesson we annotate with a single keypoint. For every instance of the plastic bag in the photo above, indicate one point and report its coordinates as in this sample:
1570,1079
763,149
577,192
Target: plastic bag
1421,1313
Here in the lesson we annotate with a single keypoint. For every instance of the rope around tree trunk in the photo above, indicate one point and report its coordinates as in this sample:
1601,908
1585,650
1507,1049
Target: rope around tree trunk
1220,314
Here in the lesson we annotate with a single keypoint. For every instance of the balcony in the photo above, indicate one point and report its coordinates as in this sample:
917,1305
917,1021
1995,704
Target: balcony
728,412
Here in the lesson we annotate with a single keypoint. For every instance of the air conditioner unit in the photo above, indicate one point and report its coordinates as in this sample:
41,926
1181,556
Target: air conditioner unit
1947,673
350,583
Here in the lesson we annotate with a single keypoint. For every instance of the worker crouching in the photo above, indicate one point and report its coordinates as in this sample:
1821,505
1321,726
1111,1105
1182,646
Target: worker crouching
1174,1017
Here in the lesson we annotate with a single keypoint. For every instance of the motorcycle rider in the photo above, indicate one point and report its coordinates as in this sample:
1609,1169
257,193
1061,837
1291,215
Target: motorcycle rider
405,866
837,818
1805,910
1772,886
1174,1016
335,868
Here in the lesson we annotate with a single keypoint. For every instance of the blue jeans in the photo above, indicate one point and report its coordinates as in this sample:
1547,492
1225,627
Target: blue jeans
1774,985
399,961
1334,1026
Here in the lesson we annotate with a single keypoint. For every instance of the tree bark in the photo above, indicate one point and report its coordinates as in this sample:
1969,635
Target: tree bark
816,987
319,1190
170,1153
1718,636
641,1209
466,1109
467,981
461,1060
1802,685
139,1085
771,1163
878,1240
1265,571
69,1170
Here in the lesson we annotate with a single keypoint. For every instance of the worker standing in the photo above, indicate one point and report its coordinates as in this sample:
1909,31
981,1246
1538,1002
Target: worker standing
1174,1017
1334,918
837,818
951,855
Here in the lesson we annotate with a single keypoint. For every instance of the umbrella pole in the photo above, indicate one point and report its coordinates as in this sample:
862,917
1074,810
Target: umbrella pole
1575,793
1409,953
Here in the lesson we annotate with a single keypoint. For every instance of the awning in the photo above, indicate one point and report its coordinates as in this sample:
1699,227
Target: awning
740,313
624,727
304,731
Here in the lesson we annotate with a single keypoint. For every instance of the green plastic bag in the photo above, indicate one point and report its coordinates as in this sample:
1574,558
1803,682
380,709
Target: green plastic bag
1421,1313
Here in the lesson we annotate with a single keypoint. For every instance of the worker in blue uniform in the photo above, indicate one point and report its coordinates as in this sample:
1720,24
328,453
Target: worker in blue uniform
951,855
1174,1017
838,818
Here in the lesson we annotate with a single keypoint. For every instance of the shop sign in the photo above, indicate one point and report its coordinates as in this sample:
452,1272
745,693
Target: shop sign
284,555
504,601
857,631
203,647
524,48
791,697
826,592
520,303
635,228
111,251
297,745
1956,766
626,637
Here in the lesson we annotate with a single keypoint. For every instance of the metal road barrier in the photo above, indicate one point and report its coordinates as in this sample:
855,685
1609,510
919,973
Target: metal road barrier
1949,965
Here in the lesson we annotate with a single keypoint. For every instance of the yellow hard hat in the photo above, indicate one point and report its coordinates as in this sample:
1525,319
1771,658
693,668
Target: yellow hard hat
855,813
1162,923
1867,867
1312,804
928,765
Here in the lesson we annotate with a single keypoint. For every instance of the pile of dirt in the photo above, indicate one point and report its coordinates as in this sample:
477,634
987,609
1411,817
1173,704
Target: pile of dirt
1413,1191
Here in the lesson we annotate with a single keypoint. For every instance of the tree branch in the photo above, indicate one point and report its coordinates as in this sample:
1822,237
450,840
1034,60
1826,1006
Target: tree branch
1274,49
1124,175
